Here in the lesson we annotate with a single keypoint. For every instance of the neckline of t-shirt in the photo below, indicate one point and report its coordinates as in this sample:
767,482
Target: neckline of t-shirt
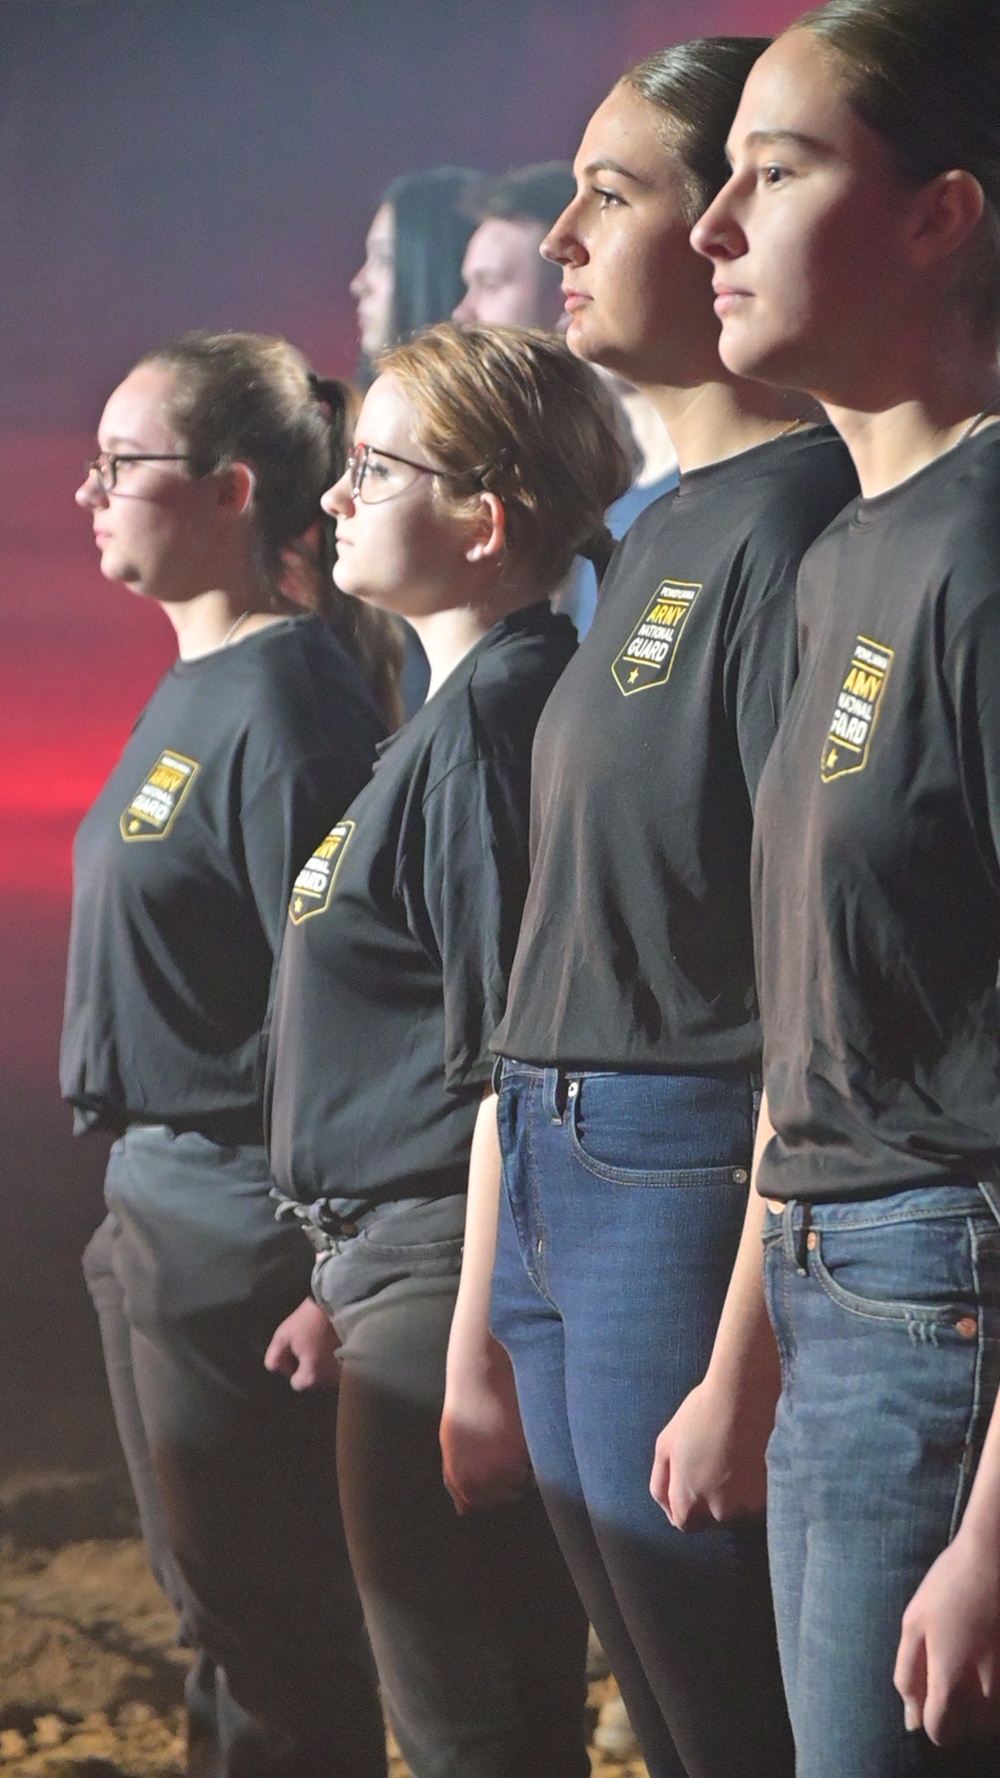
879,507
755,460
461,672
230,651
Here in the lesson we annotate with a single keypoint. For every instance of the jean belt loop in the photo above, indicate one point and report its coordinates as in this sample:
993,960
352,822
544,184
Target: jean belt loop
990,1188
497,1075
804,1240
553,1094
788,1233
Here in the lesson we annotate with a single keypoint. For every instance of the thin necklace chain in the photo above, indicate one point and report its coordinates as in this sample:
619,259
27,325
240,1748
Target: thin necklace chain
980,417
230,633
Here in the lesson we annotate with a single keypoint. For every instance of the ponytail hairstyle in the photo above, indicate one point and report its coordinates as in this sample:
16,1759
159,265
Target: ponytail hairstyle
925,76
251,398
509,410
697,87
373,638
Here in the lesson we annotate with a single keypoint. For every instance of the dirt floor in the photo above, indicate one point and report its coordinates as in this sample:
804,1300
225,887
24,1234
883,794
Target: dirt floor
90,1679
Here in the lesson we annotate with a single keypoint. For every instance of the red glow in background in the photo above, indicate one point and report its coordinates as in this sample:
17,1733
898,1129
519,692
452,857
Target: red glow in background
169,165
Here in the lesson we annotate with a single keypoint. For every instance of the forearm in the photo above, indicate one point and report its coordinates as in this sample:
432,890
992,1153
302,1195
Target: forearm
470,1340
744,1350
484,1454
709,1463
981,1522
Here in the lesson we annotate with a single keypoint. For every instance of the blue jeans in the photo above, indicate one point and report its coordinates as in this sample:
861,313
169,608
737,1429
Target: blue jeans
887,1314
624,1201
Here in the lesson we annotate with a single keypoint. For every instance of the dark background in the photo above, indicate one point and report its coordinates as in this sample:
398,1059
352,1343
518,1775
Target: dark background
167,164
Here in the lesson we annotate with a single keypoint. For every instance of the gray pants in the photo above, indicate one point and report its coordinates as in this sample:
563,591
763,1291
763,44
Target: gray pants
233,1472
477,1629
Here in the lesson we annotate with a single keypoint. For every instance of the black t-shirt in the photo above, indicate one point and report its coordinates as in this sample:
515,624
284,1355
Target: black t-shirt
401,932
636,950
183,868
876,873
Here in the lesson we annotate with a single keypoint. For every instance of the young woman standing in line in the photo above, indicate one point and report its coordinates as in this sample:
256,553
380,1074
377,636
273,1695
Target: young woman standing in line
631,1039
857,254
213,455
484,460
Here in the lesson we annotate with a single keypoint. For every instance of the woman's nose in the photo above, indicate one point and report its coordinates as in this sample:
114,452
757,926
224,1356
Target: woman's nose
717,234
90,491
562,244
338,499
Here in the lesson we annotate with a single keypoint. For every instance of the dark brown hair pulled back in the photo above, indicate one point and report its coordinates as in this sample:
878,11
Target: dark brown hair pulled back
697,86
251,398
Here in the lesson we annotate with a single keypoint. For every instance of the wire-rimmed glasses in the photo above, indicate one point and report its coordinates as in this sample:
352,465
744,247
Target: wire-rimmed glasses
374,475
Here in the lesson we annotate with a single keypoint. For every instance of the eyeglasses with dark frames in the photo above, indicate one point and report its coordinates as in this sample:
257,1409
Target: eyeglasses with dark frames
371,480
105,464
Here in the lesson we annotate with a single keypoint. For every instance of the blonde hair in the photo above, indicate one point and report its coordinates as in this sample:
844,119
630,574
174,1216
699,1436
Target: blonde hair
509,410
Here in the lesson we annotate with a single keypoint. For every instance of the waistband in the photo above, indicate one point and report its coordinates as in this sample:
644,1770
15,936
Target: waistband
506,1067
331,1224
230,1129
927,1203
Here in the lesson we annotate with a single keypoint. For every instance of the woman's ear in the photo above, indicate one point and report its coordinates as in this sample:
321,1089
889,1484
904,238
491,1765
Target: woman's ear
948,211
237,486
489,529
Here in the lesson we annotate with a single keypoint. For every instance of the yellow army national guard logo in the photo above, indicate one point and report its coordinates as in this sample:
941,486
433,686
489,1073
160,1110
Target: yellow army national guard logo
314,883
849,740
648,658
151,812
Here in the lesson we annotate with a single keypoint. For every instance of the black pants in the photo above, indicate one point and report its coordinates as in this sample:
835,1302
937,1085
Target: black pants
477,1629
234,1473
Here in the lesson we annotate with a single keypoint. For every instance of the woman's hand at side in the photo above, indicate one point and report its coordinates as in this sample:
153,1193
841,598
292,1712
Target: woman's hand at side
709,1464
304,1349
484,1453
948,1663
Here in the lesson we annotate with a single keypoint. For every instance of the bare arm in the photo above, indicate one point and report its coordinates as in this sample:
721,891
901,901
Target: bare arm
709,1462
948,1664
485,1457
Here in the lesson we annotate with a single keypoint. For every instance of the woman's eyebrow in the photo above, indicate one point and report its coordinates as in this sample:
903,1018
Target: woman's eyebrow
759,138
611,166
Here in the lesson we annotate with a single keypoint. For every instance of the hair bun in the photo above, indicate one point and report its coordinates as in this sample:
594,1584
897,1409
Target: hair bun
327,390
599,548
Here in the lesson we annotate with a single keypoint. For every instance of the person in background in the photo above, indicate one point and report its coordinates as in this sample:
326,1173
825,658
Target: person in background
507,281
483,459
856,253
411,277
213,453
631,1039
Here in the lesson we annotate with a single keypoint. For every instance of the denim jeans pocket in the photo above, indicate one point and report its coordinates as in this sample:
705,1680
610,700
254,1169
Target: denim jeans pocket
662,1130
919,1276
